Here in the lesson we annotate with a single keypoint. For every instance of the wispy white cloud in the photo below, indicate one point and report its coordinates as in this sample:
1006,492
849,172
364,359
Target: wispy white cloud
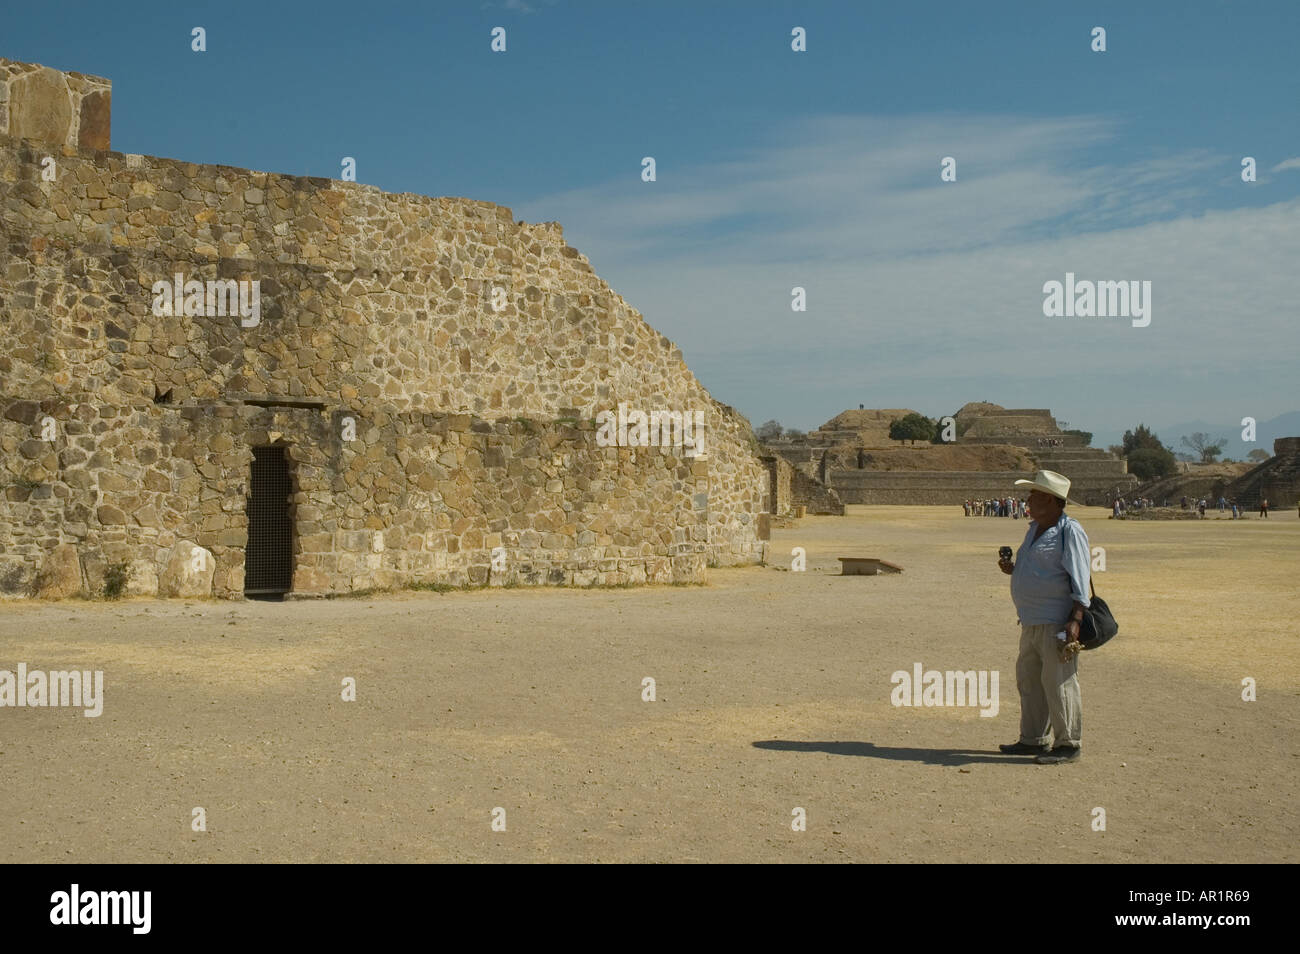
1286,164
928,294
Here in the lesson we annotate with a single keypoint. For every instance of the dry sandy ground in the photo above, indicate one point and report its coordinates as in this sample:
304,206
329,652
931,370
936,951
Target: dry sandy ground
773,693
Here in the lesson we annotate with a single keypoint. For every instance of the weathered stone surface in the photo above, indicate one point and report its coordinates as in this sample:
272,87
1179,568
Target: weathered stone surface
60,576
24,412
96,121
143,579
470,429
189,571
40,107
110,516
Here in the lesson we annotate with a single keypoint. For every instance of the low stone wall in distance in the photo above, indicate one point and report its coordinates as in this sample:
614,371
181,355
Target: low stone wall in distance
922,488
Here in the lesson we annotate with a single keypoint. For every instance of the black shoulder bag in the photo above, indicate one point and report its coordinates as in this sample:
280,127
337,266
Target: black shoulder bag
1098,626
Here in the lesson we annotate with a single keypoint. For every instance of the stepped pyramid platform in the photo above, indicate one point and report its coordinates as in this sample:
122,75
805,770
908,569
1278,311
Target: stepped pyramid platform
1096,476
1278,479
839,455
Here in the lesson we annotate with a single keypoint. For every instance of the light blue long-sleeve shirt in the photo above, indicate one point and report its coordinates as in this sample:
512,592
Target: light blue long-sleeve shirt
1051,573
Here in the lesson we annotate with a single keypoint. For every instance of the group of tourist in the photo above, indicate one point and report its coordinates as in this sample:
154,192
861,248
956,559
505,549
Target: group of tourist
1225,506
1120,506
1201,505
1051,442
995,507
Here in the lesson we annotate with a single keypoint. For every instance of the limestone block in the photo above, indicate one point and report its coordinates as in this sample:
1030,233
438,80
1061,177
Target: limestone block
143,580
60,575
40,107
110,516
189,571
95,128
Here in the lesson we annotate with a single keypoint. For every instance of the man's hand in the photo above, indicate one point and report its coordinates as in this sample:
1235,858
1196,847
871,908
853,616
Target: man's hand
1006,566
1071,647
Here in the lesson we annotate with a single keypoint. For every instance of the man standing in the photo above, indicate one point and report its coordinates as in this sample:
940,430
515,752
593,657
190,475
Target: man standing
1263,506
1049,586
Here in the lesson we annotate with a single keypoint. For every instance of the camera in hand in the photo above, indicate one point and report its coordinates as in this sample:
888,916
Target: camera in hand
1004,553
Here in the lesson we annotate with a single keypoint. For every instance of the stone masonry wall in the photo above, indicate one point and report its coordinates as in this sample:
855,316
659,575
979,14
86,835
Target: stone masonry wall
779,473
46,105
814,495
373,305
923,487
920,487
1277,479
415,498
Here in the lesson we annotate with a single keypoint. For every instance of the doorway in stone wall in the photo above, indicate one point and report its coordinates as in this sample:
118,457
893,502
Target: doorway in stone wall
268,560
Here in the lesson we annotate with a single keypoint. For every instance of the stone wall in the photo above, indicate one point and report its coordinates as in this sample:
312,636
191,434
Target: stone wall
380,307
1105,467
791,487
65,109
1277,479
1014,426
993,441
414,498
366,297
948,487
814,495
922,487
779,473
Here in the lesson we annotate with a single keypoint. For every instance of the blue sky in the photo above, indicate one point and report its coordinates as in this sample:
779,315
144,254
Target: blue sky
818,169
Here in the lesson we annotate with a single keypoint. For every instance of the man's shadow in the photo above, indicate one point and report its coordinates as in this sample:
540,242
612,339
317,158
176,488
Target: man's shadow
950,757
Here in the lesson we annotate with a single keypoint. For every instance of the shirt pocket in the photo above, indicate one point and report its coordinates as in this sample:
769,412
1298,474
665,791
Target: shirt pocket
1046,563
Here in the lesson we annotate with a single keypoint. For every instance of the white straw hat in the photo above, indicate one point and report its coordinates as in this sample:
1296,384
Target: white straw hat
1049,482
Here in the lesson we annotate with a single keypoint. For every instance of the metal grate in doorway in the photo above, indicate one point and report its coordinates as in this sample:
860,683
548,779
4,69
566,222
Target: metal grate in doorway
268,561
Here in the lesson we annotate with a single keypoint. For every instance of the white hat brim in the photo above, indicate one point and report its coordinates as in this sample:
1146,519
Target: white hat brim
1037,486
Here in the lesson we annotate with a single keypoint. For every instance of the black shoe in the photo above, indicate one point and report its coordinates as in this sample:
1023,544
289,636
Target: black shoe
1062,753
1023,748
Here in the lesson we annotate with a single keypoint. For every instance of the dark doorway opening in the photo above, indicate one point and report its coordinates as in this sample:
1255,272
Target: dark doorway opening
268,560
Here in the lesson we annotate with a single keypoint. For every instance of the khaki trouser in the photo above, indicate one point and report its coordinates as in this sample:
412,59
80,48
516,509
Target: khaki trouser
1049,688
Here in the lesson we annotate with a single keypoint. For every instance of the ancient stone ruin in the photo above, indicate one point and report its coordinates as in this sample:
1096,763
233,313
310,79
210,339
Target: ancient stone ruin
227,382
853,457
1277,479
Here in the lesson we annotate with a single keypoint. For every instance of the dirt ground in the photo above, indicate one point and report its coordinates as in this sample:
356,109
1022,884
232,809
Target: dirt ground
773,693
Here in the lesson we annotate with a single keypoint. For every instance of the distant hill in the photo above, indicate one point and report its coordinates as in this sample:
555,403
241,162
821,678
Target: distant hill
1284,425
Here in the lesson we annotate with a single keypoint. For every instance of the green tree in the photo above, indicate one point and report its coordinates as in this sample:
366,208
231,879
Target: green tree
914,427
1150,462
771,431
1258,455
1142,438
1085,436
